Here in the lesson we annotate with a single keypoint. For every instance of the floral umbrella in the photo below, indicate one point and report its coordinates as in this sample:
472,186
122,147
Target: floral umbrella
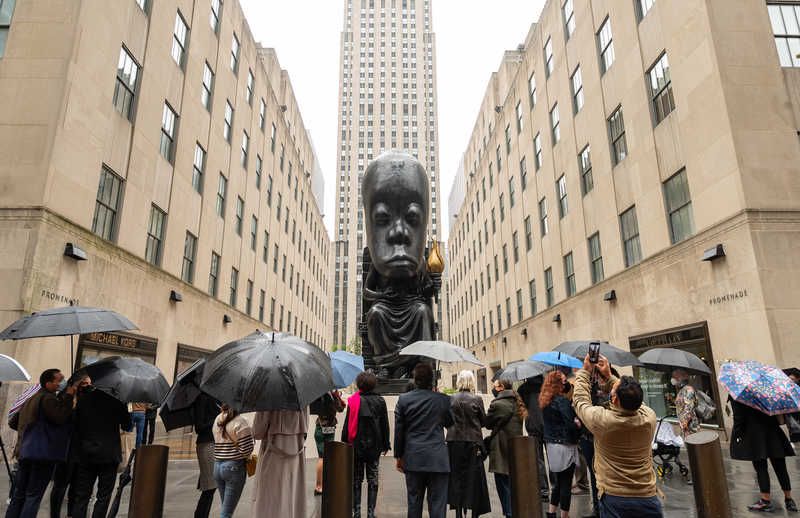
763,387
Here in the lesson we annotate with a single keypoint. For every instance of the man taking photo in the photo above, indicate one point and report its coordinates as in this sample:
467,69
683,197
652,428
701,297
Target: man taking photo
623,434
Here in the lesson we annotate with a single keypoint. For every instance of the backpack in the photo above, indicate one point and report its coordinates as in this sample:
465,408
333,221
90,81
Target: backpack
368,442
705,408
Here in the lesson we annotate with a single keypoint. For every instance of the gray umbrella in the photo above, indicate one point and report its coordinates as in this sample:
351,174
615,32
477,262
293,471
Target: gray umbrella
267,371
12,370
129,380
441,351
580,348
69,320
524,369
662,358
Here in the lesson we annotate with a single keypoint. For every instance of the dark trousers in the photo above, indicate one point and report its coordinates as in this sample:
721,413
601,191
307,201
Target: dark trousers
503,485
204,503
587,448
85,477
779,465
543,483
561,482
417,483
149,428
627,506
62,480
29,487
369,467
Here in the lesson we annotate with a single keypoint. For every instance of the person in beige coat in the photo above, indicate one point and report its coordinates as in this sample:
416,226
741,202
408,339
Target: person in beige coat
280,475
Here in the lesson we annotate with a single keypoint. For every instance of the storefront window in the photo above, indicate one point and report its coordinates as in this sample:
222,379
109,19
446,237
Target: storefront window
96,346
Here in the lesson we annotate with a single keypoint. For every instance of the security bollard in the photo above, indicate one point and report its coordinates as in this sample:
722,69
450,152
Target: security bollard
708,473
149,482
337,480
524,470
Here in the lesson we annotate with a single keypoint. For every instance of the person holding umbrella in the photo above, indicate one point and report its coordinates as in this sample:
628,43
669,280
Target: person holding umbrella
326,409
504,418
685,402
204,412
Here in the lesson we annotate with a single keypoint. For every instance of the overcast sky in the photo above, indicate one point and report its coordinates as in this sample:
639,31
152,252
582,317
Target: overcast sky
471,36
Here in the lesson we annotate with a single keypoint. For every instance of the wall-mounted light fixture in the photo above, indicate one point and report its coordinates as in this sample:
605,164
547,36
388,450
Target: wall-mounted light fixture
525,332
226,319
74,251
505,341
498,109
713,253
557,318
174,296
610,296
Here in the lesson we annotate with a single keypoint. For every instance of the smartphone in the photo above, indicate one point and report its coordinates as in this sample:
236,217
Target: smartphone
594,352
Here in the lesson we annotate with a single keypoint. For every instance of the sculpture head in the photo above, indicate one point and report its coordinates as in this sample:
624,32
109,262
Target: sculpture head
396,196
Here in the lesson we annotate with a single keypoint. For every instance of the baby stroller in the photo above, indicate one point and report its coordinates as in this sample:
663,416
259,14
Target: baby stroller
666,448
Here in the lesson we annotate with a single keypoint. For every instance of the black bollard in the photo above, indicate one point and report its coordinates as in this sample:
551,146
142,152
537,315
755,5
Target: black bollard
337,480
708,473
149,482
524,470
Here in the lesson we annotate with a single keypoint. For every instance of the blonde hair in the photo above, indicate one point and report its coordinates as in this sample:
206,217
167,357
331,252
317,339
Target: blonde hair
465,381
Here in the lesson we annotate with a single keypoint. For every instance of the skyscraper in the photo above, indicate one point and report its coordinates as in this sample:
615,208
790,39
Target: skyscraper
387,93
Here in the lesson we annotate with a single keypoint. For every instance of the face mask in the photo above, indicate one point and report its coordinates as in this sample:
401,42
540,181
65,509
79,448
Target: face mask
675,382
63,385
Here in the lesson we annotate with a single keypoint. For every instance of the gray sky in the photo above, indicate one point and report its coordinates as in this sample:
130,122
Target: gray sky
471,36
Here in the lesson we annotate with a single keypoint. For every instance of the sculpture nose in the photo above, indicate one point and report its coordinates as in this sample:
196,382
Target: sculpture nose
399,234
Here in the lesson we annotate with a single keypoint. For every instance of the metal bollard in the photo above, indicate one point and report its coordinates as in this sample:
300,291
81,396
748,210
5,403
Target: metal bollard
149,482
524,470
708,473
337,480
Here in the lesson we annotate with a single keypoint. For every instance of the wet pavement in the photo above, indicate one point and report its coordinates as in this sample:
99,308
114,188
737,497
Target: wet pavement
678,496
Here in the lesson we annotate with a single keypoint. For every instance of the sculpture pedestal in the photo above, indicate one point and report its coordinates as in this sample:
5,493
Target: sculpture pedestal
391,387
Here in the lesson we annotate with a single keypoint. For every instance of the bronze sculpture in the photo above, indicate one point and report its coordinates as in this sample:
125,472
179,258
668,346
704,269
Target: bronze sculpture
398,285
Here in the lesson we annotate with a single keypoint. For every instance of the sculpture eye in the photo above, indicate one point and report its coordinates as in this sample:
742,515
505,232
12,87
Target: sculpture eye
381,217
413,216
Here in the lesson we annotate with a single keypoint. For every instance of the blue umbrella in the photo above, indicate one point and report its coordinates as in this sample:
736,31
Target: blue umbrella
558,359
346,366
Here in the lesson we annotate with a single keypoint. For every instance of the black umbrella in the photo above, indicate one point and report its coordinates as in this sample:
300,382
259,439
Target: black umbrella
128,379
177,409
267,371
125,478
523,369
580,348
69,320
662,358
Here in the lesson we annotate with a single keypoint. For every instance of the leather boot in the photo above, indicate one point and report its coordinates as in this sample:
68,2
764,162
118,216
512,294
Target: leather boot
372,500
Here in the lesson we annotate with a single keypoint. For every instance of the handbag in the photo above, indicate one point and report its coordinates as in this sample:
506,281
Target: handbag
251,464
793,426
45,441
487,441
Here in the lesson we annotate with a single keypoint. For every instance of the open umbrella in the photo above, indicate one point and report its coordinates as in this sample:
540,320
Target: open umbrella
615,355
345,366
128,379
69,320
558,359
12,370
663,358
176,410
763,387
523,369
267,371
440,351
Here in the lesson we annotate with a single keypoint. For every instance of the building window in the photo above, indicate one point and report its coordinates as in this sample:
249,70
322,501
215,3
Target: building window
568,11
222,188
265,249
548,287
245,148
189,254
528,234
250,85
537,148
213,275
644,7
616,128
239,215
585,166
532,292
595,258
555,124
235,53
141,3
543,216
785,27
679,207
269,190
262,114
511,192
606,41
499,161
548,57
272,313
515,244
532,89
561,188
577,89
168,123
127,77
179,35
275,253
569,275
502,207
155,236
505,259
208,86
248,297
234,286
508,139
226,129
261,298
253,233
523,174
629,228
661,88
519,117
519,305
272,136
213,18
508,311
109,192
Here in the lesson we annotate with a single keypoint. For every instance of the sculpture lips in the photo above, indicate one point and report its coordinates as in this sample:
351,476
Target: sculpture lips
402,259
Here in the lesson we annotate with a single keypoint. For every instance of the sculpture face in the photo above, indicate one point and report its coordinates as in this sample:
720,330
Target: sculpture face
396,206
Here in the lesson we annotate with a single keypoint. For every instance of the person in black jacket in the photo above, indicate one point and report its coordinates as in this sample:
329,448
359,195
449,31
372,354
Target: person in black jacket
757,437
420,418
366,427
205,411
98,419
534,424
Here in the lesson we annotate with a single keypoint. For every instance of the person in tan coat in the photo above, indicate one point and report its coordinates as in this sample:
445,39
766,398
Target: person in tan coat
623,435
280,474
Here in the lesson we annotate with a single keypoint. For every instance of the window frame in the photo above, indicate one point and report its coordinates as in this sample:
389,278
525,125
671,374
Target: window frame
215,16
213,274
153,249
569,19
570,286
207,90
188,263
182,43
672,211
619,143
222,195
227,127
607,54
127,107
585,169
578,99
631,254
662,100
543,224
236,49
555,124
595,261
561,193
548,57
115,190
549,295
170,134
